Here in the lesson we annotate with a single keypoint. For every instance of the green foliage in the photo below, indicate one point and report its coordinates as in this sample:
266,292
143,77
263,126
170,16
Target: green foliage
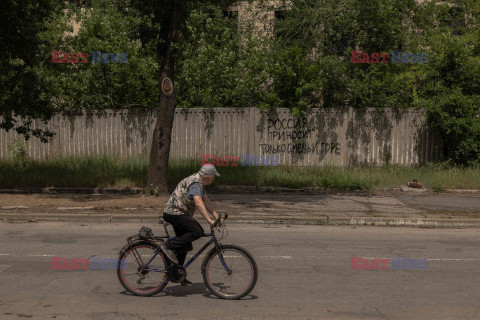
306,63
450,91
457,117
18,149
327,32
207,56
448,86
104,28
26,91
154,191
206,73
214,68
295,80
156,19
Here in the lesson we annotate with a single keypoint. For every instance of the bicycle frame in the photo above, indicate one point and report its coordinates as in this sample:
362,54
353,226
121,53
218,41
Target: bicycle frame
199,252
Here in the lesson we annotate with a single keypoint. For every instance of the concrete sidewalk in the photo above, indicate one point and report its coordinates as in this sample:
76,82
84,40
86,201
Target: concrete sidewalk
358,208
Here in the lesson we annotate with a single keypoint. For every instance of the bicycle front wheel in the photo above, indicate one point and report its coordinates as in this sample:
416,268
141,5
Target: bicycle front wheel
135,277
231,273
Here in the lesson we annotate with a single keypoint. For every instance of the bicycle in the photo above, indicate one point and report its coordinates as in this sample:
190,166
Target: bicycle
229,271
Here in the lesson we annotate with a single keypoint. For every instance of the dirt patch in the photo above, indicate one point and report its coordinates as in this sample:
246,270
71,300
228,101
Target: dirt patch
108,202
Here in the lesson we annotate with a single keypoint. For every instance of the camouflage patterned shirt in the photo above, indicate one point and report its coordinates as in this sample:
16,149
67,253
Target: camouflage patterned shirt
179,202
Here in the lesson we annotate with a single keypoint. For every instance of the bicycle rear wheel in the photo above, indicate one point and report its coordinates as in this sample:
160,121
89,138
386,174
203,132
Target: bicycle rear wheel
231,273
136,279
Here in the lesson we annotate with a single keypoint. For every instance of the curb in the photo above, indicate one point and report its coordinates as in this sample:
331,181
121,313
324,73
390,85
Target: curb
334,221
410,222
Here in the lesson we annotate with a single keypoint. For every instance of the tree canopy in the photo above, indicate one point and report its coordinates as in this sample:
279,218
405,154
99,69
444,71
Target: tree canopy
306,63
26,88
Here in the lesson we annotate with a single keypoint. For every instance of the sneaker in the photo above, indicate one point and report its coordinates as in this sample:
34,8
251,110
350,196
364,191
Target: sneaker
169,253
186,283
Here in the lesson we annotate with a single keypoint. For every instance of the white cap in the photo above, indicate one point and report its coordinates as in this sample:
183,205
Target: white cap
208,169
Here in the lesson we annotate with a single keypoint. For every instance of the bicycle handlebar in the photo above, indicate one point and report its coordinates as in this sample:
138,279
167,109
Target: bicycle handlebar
218,219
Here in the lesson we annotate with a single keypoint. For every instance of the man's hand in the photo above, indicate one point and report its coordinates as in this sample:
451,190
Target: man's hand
211,222
219,222
222,220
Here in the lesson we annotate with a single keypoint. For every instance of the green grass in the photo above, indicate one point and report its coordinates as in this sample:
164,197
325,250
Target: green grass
74,172
132,172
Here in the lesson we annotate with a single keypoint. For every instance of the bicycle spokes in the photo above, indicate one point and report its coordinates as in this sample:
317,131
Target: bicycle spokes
140,278
230,273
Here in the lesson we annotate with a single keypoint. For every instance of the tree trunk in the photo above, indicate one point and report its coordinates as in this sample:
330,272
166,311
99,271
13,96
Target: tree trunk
162,135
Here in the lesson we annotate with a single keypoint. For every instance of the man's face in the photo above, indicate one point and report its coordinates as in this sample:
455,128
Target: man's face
206,180
209,179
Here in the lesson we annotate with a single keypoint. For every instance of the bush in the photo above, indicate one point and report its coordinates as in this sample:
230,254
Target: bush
457,117
18,149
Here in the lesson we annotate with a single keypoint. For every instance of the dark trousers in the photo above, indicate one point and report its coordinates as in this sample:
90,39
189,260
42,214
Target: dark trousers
187,230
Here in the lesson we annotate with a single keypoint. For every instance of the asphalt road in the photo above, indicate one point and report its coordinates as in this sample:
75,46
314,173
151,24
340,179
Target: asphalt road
305,272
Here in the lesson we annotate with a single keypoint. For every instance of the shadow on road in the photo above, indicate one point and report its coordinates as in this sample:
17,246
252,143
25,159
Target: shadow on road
196,288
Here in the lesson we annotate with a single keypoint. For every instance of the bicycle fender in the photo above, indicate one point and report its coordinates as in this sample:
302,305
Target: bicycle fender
125,247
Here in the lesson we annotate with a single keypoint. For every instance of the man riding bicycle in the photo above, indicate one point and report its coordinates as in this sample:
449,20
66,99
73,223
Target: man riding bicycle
188,196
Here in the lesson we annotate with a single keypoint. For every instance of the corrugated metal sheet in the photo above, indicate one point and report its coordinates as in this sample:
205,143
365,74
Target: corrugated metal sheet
339,137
